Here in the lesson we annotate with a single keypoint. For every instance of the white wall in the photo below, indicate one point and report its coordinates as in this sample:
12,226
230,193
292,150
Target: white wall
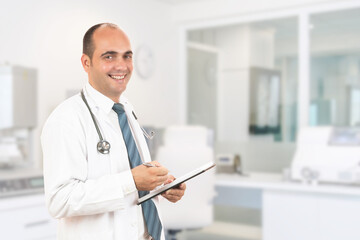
216,9
47,35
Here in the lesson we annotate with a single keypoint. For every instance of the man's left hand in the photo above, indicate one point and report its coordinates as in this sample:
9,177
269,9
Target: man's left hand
176,193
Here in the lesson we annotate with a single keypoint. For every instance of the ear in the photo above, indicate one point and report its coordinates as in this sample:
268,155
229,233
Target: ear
86,62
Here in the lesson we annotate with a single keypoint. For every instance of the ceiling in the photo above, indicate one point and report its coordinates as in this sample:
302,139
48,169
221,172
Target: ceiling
178,2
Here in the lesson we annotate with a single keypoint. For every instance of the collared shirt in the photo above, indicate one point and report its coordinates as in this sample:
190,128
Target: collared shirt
92,194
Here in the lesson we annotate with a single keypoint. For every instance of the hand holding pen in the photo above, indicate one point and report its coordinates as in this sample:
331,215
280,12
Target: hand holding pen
174,194
149,175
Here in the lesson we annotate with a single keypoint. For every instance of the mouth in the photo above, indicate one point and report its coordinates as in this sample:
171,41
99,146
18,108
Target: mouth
117,77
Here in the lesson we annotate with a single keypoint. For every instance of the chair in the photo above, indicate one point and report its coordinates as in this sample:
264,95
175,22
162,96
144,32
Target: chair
186,148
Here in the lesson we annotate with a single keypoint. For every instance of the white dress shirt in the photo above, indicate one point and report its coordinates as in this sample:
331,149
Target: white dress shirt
92,194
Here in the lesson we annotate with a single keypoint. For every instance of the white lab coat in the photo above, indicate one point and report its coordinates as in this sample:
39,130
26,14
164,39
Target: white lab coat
93,195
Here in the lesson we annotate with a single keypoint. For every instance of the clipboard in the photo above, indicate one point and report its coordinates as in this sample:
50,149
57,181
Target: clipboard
176,182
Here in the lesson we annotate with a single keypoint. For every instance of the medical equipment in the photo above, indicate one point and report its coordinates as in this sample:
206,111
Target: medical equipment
10,152
15,182
104,146
225,163
18,97
18,116
326,154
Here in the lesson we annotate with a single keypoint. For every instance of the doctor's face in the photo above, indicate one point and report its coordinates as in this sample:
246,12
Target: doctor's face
111,65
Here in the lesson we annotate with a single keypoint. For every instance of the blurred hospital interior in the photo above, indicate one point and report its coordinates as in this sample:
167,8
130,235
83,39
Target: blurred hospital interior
267,90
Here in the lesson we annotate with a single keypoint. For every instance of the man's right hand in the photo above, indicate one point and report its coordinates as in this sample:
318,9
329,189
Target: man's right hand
148,178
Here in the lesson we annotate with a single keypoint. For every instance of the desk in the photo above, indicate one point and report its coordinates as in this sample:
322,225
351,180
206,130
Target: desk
294,211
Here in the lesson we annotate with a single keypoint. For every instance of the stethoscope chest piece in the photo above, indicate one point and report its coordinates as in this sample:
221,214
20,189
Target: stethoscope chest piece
103,147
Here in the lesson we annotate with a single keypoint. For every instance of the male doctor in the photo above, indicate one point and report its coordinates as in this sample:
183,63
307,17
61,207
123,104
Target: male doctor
94,193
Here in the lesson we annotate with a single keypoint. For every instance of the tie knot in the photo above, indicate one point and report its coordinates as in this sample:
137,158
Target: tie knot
118,108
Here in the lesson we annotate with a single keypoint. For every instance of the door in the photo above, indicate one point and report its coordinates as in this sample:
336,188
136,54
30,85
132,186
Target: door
202,87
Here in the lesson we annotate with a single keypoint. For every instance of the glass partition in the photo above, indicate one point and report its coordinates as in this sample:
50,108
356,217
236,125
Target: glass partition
335,68
254,84
242,82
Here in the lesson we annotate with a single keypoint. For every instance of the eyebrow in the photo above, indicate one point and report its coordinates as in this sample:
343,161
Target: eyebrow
113,52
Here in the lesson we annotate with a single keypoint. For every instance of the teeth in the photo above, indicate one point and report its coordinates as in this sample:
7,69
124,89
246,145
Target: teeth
117,77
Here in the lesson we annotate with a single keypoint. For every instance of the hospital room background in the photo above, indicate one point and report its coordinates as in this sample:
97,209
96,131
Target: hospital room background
270,88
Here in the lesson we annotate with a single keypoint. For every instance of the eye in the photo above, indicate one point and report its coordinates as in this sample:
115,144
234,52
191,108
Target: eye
128,56
109,57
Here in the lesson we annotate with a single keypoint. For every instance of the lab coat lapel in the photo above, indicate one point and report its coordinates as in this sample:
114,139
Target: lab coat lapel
137,133
96,102
107,120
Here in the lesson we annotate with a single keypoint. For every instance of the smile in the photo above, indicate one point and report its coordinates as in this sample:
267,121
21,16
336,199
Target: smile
117,77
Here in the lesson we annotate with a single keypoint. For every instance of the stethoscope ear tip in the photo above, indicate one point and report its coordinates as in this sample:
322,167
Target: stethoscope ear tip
147,135
152,134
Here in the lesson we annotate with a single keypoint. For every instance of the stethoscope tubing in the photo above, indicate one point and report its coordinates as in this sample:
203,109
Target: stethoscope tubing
104,146
92,116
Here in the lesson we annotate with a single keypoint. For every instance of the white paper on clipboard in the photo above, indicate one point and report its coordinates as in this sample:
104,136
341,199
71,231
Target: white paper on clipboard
177,182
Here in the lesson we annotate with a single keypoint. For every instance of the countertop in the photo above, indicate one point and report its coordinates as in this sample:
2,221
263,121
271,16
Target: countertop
271,181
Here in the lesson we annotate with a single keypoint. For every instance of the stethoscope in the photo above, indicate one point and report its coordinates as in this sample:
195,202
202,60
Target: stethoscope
104,146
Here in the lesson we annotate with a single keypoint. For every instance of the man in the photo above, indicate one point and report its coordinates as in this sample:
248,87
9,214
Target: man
94,194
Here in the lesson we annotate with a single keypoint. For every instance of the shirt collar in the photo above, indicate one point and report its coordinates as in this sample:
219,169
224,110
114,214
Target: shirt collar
100,100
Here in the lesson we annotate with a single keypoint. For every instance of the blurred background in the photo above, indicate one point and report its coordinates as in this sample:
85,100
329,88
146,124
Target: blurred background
270,91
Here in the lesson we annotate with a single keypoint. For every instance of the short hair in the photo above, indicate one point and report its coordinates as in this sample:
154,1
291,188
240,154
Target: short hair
88,43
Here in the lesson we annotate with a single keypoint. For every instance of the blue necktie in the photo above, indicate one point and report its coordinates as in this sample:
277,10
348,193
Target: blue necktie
151,216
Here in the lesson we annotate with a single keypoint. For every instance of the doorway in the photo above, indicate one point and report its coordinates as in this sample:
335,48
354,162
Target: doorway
202,78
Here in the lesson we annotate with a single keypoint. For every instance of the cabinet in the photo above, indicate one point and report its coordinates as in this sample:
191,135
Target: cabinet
295,211
26,218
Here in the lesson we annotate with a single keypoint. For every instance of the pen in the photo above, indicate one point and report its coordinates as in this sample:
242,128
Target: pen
149,164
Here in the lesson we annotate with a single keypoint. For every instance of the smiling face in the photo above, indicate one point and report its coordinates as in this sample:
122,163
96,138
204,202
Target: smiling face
111,65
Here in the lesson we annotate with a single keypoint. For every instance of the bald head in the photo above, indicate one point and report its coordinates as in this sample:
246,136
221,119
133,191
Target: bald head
88,40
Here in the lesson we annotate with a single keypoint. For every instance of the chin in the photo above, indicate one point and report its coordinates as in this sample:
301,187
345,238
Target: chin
120,91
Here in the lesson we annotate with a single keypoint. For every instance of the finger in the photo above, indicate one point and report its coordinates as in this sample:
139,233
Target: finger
175,192
167,195
171,198
168,180
156,163
159,171
171,177
161,180
182,186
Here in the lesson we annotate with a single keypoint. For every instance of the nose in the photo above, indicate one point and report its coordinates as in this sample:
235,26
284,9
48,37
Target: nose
121,65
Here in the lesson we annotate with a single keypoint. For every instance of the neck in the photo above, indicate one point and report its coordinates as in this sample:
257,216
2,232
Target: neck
115,98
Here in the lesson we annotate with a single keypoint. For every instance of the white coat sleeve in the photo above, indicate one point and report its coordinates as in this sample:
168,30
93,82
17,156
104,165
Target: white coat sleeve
68,191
